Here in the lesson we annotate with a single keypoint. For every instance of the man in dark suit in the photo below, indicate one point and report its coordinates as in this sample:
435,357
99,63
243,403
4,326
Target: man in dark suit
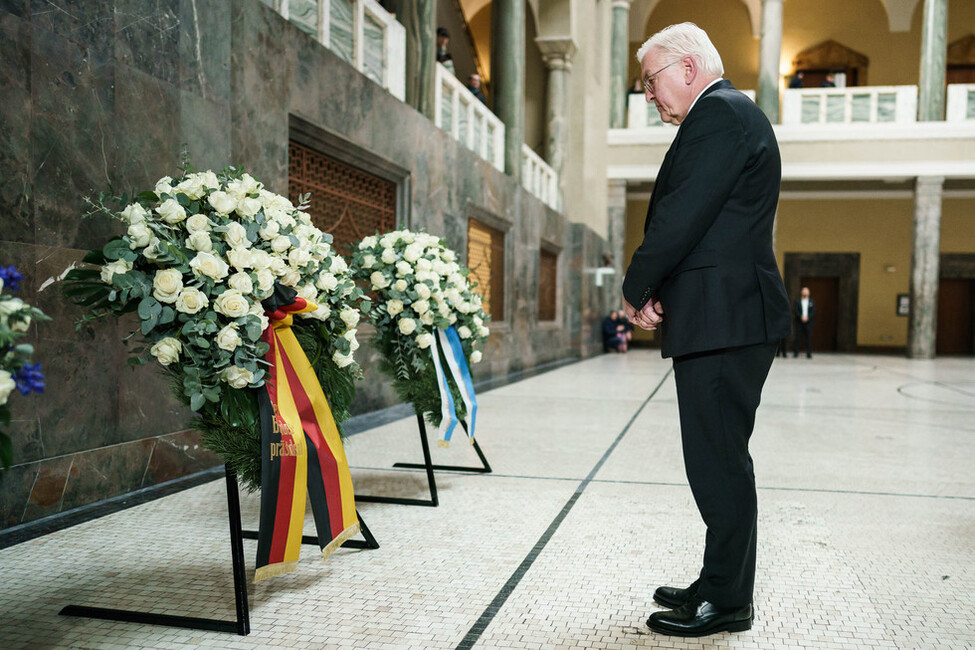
706,275
804,312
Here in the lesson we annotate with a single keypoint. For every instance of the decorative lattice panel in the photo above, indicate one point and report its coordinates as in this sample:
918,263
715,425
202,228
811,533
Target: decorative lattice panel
485,257
346,202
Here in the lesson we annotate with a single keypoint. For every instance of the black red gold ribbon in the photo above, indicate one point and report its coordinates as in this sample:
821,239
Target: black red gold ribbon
301,448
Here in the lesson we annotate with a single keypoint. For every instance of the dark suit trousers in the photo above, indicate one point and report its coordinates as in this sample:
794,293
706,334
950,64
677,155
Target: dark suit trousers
803,330
718,393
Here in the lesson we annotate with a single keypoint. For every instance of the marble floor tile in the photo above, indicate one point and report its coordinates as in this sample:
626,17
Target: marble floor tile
866,527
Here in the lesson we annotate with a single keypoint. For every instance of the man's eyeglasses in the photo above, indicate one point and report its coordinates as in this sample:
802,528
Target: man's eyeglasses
651,79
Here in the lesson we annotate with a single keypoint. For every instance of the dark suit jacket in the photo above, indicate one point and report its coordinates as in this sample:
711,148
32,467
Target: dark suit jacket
707,248
797,311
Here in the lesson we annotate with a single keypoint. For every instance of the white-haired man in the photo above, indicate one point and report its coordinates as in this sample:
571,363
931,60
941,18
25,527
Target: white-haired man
706,275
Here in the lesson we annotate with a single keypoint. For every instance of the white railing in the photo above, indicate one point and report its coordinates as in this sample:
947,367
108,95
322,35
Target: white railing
360,32
464,116
640,114
856,104
961,103
539,178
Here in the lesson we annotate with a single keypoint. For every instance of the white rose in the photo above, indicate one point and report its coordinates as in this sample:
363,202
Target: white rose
280,243
338,265
167,350
272,200
245,185
426,318
228,339
190,300
394,307
423,290
210,180
198,223
322,313
265,280
327,282
192,186
199,241
349,316
257,309
483,332
134,213
404,268
260,259
209,265
368,242
308,292
476,356
400,285
449,255
166,285
389,256
342,360
378,280
368,261
421,306
387,241
236,235
424,341
464,332
236,376
270,230
118,267
152,251
276,264
298,257
413,252
164,185
241,282
240,258
424,264
290,278
285,219
248,207
7,385
232,303
139,235
222,202
171,211
407,326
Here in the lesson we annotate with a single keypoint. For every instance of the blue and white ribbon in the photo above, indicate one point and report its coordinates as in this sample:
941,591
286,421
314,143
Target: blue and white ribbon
449,341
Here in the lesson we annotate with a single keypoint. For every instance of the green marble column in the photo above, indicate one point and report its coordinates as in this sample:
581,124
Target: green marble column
616,236
769,52
557,52
618,64
934,51
508,77
925,262
419,17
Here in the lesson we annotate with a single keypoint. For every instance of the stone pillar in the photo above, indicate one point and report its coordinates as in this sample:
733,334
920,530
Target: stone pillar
557,53
934,51
769,53
508,77
618,63
419,18
925,259
616,240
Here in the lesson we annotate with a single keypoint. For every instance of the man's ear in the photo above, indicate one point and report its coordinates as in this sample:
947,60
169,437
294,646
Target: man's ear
688,66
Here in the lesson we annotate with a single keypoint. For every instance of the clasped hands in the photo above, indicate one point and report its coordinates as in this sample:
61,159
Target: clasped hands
647,318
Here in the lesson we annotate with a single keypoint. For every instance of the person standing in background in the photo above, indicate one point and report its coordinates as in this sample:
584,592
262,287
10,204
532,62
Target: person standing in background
805,315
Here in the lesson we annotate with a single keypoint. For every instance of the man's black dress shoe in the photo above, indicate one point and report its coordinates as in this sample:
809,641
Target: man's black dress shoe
700,618
674,597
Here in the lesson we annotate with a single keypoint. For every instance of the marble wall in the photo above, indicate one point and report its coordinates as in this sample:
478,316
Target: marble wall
107,95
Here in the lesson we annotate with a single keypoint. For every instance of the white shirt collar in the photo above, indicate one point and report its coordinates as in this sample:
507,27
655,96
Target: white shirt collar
703,90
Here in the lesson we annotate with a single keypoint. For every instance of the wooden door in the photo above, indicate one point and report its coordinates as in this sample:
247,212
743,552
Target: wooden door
825,293
960,74
955,335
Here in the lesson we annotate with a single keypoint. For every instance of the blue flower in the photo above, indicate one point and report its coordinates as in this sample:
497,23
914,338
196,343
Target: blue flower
29,378
10,277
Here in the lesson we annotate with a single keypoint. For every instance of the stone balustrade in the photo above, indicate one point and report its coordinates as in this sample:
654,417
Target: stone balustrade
465,117
539,178
360,32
